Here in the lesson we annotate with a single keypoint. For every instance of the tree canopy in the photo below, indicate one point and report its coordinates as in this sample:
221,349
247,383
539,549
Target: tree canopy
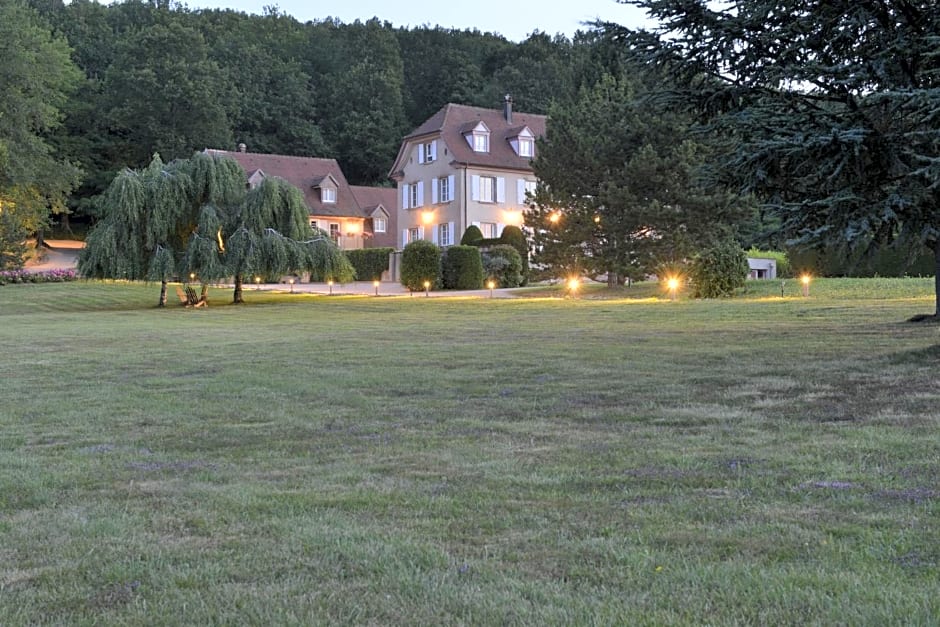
831,109
36,78
192,217
618,192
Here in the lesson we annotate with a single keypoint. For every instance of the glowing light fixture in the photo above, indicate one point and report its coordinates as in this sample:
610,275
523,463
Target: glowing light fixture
427,288
805,280
673,285
375,284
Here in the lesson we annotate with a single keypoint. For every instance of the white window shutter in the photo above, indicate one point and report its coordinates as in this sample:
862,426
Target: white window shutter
520,191
450,233
434,150
404,237
434,190
500,189
499,229
420,232
475,187
420,153
420,185
450,188
476,224
404,196
434,232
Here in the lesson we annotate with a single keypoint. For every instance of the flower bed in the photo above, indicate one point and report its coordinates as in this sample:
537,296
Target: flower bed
48,276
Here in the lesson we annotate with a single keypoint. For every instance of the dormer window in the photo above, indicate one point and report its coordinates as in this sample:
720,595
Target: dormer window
478,137
526,147
328,195
523,141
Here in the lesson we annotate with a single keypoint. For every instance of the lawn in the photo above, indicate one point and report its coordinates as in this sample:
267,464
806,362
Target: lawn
614,459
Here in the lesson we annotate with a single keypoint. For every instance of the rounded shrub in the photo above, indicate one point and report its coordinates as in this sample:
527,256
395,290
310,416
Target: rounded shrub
503,264
472,236
462,268
420,262
718,271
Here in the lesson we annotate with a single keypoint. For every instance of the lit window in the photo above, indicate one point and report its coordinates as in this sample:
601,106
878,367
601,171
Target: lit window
526,147
334,230
379,225
444,191
328,194
488,229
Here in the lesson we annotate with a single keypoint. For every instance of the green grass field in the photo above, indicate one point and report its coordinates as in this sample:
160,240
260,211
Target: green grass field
615,459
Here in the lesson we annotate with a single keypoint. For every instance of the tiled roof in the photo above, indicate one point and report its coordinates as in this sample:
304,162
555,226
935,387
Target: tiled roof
453,120
371,197
303,173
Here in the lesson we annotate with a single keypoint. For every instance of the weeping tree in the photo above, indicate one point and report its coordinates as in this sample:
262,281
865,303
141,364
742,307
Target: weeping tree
150,217
268,234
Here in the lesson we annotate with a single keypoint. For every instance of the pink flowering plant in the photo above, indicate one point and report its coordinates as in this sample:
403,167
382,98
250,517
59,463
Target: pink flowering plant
48,276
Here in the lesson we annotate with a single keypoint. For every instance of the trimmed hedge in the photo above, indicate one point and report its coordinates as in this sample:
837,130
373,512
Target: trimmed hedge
472,236
369,263
513,236
420,262
462,268
504,265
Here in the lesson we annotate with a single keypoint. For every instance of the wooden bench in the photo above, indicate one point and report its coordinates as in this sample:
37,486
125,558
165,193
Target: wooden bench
190,298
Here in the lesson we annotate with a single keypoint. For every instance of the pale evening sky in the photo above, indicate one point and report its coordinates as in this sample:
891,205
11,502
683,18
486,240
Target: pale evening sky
513,19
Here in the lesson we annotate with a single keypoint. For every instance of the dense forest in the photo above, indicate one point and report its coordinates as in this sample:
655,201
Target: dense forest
162,78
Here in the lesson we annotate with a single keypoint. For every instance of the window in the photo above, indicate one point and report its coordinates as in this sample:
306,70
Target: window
487,189
334,230
428,152
444,193
314,225
379,225
414,234
488,229
481,142
444,234
413,196
328,194
526,147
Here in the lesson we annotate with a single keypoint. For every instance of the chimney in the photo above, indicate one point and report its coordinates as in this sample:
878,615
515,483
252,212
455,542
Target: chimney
242,148
507,109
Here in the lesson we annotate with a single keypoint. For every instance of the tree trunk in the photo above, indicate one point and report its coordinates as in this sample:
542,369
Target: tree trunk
162,302
613,279
205,293
238,290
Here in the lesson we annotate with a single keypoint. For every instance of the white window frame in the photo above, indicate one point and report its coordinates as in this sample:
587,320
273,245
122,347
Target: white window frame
487,189
313,224
481,142
328,195
445,234
526,147
488,229
445,193
379,225
414,234
429,152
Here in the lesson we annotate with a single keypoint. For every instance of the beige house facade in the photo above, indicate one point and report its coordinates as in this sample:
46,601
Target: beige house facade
465,166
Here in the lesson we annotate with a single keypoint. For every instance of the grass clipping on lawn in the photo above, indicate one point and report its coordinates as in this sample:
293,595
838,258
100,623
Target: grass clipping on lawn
766,460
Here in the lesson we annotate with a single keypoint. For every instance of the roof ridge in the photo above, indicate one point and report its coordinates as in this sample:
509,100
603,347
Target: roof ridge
269,154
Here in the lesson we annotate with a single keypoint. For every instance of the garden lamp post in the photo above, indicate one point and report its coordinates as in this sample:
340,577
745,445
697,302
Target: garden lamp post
805,279
491,284
673,285
375,284
427,288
